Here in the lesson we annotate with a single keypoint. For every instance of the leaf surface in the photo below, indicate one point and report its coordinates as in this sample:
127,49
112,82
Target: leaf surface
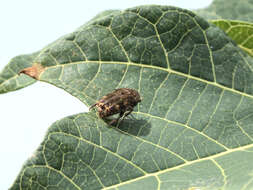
230,16
82,152
231,10
10,80
240,32
193,128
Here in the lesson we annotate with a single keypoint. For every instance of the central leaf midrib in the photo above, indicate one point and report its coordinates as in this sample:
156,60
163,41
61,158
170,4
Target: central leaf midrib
155,174
153,67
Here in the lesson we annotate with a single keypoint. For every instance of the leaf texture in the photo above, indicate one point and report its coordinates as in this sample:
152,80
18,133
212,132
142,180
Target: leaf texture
230,16
240,32
9,76
193,128
231,10
82,152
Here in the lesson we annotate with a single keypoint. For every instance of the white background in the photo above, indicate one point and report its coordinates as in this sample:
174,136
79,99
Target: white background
27,26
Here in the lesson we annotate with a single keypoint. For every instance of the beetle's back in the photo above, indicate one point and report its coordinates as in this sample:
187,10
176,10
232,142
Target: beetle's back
117,101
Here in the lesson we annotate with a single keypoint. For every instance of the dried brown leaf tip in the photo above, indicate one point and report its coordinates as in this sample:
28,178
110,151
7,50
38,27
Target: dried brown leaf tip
122,101
33,71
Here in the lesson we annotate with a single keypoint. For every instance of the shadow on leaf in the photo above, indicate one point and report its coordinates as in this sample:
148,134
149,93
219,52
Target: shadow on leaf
136,127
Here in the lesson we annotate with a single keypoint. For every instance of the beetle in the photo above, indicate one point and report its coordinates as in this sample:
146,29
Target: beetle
121,100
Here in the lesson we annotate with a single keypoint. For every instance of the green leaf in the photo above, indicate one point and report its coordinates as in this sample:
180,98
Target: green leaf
229,16
193,128
82,152
9,76
240,32
231,10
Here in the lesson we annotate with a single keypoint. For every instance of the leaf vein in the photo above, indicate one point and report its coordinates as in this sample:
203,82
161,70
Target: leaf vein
163,69
186,126
101,147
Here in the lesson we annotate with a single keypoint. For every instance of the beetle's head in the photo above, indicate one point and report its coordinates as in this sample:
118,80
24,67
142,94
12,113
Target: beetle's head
137,97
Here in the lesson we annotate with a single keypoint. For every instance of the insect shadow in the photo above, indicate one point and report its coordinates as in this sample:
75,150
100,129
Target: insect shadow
136,127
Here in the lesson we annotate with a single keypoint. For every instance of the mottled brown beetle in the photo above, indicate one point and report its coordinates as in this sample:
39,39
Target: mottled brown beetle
120,101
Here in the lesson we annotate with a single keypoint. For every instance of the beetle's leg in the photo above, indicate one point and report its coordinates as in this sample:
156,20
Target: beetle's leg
122,115
118,120
126,114
92,106
115,121
128,111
